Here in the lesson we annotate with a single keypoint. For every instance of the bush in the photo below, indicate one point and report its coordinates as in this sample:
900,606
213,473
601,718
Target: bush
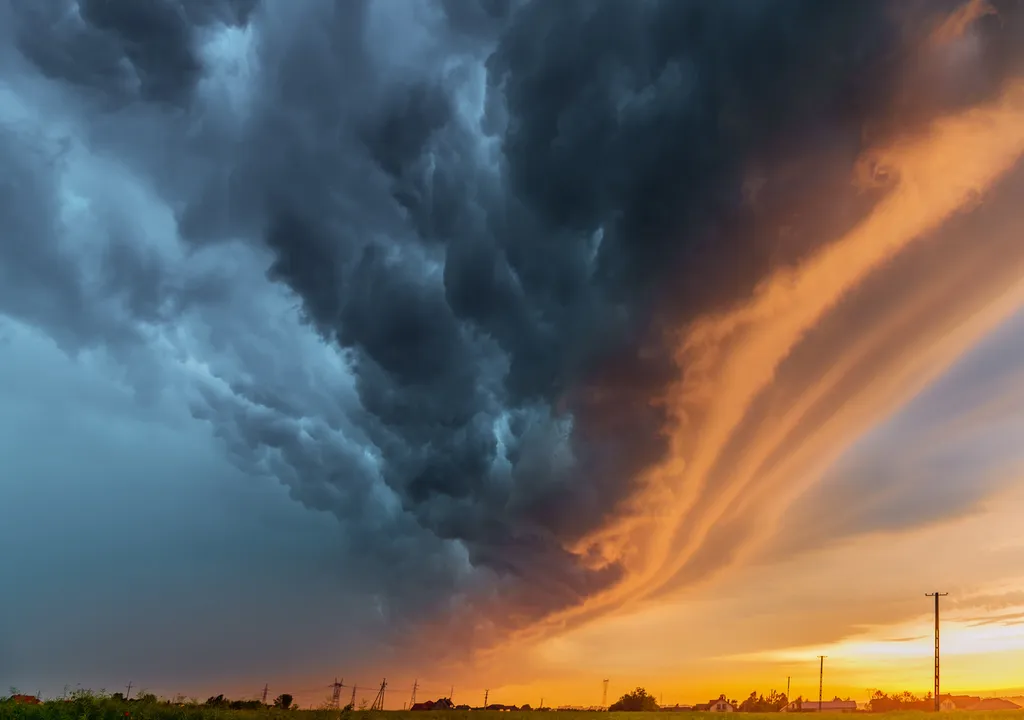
638,700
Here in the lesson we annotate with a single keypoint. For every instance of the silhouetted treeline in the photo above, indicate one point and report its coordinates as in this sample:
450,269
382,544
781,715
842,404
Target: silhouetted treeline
638,700
884,702
85,705
757,703
222,702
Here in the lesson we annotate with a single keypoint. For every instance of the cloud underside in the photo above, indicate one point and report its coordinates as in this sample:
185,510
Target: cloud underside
554,306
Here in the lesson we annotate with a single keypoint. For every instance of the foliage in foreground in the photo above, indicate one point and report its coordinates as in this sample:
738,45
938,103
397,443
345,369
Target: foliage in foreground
107,709
86,706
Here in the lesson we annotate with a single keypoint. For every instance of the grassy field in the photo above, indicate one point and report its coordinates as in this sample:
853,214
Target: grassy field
99,708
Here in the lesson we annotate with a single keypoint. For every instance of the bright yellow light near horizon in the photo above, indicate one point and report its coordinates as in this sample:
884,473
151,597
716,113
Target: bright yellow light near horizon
908,641
725,638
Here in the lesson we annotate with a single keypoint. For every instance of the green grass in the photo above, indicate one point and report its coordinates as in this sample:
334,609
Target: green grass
88,707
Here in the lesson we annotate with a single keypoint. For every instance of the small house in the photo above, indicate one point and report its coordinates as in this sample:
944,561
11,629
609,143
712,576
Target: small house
990,704
439,704
844,706
721,704
25,699
950,703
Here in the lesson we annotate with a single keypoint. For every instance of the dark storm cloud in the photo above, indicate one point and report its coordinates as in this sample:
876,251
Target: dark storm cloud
624,131
494,209
123,48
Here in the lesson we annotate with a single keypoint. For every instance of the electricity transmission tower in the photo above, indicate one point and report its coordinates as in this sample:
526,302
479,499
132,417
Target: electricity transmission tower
378,702
788,678
486,693
936,595
264,700
415,686
336,694
604,694
353,701
821,676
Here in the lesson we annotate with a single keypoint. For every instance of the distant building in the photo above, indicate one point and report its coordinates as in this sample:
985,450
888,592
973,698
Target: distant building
440,704
25,699
720,704
676,708
843,706
949,703
990,704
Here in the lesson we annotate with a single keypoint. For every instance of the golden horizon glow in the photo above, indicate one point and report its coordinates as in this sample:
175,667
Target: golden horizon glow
875,629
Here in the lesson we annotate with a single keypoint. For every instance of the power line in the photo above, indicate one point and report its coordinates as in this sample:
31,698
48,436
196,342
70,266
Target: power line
936,595
821,676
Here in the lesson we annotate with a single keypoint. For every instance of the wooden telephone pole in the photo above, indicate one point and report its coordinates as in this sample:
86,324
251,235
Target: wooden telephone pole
821,676
936,595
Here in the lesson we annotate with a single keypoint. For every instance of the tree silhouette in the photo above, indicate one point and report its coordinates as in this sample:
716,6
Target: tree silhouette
757,703
283,701
638,700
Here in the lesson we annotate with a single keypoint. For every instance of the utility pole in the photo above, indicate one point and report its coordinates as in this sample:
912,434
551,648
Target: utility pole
378,702
264,700
604,694
936,595
821,676
415,685
336,694
542,703
128,695
486,693
788,678
451,694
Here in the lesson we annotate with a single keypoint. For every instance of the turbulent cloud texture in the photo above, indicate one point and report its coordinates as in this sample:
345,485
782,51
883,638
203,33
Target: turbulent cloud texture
439,267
